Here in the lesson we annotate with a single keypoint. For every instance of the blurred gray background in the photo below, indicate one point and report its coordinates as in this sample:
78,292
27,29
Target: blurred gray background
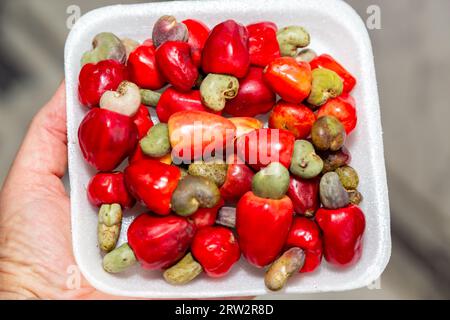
412,56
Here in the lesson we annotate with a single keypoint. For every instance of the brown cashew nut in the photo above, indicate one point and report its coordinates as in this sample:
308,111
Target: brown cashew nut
126,100
106,46
193,193
283,268
168,29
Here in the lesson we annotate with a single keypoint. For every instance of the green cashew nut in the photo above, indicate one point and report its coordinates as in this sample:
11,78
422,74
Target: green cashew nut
119,259
216,89
130,45
349,177
184,271
109,224
193,193
283,268
106,46
332,194
305,162
271,182
328,133
156,143
291,39
216,171
306,55
326,84
149,97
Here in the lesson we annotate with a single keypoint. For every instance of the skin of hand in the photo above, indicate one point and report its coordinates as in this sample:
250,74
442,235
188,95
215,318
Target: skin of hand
35,238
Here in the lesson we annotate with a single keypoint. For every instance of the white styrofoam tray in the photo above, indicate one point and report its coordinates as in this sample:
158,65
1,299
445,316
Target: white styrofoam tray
335,29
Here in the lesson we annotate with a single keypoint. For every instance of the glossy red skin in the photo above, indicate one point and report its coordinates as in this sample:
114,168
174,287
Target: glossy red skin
185,126
173,101
296,118
176,64
290,79
152,183
143,121
143,69
256,147
262,227
305,234
159,242
254,96
216,249
198,34
106,138
343,231
226,50
304,194
109,188
96,79
328,62
237,182
343,108
263,45
206,217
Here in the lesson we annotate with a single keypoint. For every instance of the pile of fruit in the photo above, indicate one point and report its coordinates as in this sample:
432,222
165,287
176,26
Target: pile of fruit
216,182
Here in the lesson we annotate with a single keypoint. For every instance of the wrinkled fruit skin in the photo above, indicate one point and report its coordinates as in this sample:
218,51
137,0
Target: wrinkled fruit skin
173,101
109,188
290,79
261,147
305,234
213,130
143,121
328,133
332,194
96,79
198,34
152,183
237,182
254,96
262,226
216,249
106,138
262,43
304,194
143,69
226,50
343,231
206,217
343,108
159,242
175,62
328,62
296,118
335,159
245,125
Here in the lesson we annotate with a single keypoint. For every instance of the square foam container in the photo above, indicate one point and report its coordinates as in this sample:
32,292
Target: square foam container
336,29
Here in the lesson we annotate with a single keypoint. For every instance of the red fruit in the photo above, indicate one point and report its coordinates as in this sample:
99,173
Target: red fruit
96,79
109,188
159,242
263,45
143,69
106,138
237,182
138,154
296,118
326,61
261,147
226,50
175,62
216,249
198,34
305,234
206,217
290,79
152,183
245,125
254,96
343,231
304,194
262,226
143,121
343,108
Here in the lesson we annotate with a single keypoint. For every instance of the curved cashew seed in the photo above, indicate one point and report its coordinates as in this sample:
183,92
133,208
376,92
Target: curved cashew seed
184,271
326,84
283,268
306,55
193,193
168,29
216,89
332,194
119,259
216,171
149,97
156,144
126,100
305,162
291,39
109,225
271,182
106,46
